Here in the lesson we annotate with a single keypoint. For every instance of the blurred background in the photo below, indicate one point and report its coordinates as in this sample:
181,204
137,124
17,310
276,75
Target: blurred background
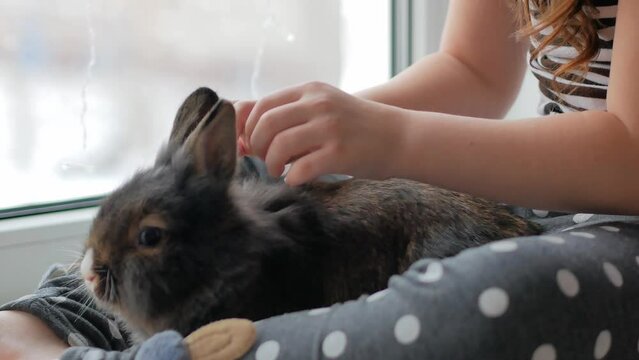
89,88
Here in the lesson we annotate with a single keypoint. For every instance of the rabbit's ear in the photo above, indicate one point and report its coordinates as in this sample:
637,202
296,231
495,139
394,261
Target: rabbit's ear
213,142
192,111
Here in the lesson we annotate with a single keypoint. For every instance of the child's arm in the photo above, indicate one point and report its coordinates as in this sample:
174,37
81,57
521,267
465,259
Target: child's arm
477,72
585,162
578,161
24,336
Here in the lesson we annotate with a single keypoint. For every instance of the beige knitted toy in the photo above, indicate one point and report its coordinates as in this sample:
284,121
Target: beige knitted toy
221,340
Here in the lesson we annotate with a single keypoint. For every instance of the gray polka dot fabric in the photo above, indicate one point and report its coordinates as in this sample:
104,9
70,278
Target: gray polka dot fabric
564,295
567,294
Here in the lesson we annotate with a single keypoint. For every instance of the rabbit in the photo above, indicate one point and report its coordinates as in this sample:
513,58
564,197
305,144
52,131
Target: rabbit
194,239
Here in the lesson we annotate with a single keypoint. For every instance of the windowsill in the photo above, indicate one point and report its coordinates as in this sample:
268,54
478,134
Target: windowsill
29,245
46,227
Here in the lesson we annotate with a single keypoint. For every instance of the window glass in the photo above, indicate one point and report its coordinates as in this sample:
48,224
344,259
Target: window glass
89,88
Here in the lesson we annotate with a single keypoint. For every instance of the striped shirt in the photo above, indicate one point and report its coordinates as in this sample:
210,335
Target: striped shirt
589,94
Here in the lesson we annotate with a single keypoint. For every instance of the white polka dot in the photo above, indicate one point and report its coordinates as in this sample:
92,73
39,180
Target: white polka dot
540,213
553,239
613,274
115,332
334,344
581,218
319,311
268,350
94,354
602,344
378,295
610,228
433,273
582,234
568,283
503,246
77,340
493,302
545,352
407,329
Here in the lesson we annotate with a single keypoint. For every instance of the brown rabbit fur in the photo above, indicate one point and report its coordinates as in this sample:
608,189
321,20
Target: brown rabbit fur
193,239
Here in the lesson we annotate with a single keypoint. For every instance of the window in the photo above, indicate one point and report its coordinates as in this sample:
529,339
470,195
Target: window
89,88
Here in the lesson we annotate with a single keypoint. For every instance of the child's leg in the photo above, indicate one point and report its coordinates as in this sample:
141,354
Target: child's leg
566,295
569,295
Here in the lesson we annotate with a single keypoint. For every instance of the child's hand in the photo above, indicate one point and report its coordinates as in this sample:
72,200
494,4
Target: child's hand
242,111
323,130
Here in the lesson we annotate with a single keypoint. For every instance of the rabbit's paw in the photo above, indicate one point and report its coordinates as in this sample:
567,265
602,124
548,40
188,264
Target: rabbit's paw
221,340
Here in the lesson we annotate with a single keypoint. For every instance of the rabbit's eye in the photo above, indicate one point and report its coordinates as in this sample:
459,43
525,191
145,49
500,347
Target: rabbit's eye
150,236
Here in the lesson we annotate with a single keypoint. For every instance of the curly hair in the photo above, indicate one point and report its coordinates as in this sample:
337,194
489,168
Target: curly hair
566,23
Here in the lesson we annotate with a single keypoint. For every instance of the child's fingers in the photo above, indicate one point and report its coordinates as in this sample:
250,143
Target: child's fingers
275,121
291,144
309,167
267,103
241,147
242,111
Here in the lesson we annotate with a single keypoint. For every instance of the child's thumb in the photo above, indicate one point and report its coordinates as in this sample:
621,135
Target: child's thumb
242,111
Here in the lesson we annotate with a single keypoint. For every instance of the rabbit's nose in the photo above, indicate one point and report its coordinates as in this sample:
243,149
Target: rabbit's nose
90,278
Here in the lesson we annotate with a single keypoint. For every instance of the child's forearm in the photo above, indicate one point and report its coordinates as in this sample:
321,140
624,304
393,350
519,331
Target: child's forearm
579,161
23,336
441,83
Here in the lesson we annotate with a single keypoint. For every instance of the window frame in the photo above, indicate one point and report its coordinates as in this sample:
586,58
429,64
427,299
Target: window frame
416,28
